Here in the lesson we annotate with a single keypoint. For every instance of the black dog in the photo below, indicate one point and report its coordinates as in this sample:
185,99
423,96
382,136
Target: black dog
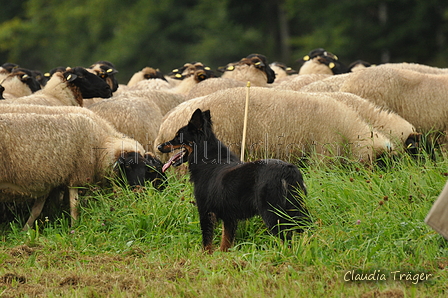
230,190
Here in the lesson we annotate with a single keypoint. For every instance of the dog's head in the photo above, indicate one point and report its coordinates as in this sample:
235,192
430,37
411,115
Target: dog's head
186,138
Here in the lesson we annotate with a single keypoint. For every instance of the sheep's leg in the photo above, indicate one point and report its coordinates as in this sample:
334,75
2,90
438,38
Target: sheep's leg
228,234
73,197
35,212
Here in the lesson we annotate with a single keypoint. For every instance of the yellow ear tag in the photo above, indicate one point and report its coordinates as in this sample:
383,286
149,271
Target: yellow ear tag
178,75
336,57
230,67
288,68
25,76
258,63
69,77
110,70
47,74
331,65
175,70
207,68
306,58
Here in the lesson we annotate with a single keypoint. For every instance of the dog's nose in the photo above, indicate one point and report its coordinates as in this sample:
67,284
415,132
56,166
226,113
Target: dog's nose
160,147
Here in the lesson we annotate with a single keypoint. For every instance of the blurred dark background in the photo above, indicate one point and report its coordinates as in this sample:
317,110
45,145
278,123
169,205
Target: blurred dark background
132,34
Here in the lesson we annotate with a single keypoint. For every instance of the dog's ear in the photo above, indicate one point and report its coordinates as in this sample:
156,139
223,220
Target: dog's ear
196,119
207,116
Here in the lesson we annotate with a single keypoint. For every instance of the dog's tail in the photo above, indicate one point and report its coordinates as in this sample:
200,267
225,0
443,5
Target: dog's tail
285,194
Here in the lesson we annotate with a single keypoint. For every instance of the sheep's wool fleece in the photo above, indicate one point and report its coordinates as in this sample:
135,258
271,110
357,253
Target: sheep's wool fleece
281,123
40,152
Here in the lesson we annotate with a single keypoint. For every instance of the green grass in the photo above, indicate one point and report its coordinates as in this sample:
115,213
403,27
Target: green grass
148,244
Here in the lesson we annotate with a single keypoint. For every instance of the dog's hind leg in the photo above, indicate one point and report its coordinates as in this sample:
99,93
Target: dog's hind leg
228,234
207,220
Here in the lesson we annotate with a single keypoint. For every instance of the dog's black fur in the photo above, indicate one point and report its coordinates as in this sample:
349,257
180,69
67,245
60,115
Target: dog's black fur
231,190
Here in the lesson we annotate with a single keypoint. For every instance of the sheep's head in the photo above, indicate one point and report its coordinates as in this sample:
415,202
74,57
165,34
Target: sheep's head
27,77
106,70
87,83
134,169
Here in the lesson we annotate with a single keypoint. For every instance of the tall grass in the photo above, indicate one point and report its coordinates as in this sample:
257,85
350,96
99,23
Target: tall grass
141,242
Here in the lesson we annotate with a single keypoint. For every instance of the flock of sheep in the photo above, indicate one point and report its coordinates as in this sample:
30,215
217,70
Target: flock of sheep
75,126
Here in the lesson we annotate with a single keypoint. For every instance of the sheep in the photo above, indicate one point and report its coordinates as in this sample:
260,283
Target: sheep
402,133
19,83
417,97
164,100
358,65
321,61
147,73
253,68
417,67
136,117
68,88
213,84
281,70
282,124
41,152
296,82
106,71
315,66
329,84
6,69
51,110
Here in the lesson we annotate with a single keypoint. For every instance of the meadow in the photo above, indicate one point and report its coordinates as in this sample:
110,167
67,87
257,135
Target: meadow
368,239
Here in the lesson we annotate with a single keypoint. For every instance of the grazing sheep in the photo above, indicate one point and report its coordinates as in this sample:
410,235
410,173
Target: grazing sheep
19,83
68,88
55,110
417,97
136,117
402,133
106,71
282,124
253,68
41,152
296,82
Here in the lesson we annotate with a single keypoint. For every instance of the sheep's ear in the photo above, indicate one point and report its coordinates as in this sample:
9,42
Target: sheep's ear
70,77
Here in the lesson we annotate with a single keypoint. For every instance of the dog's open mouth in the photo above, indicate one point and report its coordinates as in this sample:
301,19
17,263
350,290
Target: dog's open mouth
175,160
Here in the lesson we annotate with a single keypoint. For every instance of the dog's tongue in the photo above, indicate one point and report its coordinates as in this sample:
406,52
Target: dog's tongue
172,160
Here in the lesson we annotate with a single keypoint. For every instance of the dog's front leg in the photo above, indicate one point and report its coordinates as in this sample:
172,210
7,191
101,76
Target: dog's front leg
207,221
228,234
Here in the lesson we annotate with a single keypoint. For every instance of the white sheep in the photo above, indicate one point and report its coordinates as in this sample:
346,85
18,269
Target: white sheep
16,85
164,100
420,98
147,74
136,117
253,68
295,82
329,84
417,67
282,124
213,84
41,152
67,88
398,130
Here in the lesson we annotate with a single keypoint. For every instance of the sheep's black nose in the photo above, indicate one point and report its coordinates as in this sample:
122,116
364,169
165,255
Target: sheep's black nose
160,148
